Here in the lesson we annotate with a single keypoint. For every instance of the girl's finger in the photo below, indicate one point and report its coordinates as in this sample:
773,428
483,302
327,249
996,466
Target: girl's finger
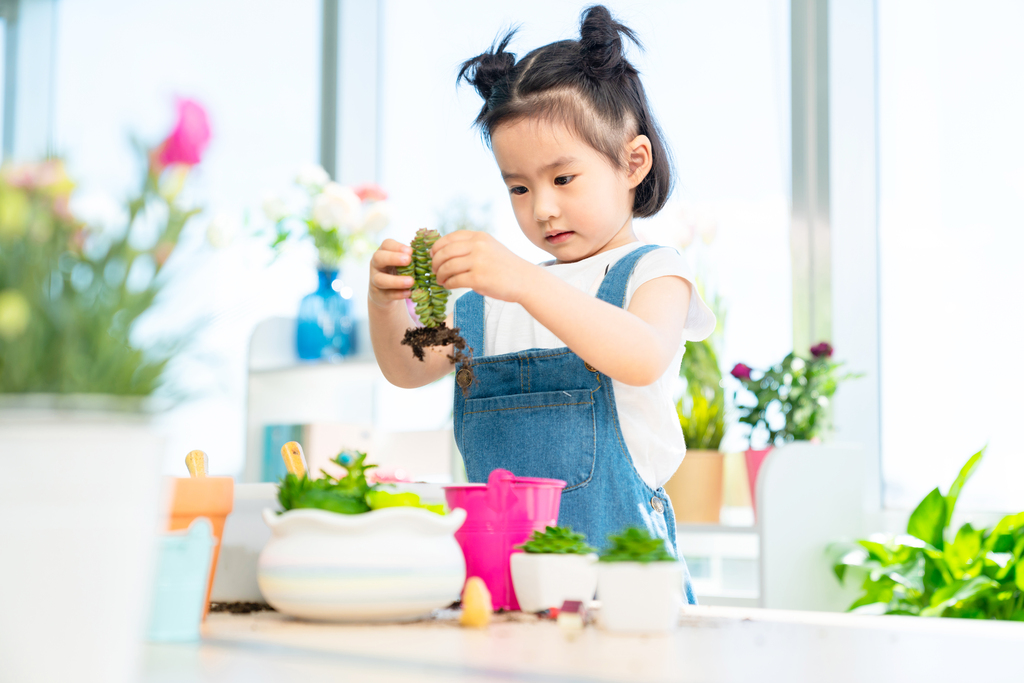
450,238
382,259
452,268
448,252
394,245
382,280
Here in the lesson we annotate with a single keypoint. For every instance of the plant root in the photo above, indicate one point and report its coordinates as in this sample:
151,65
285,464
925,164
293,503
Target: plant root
419,338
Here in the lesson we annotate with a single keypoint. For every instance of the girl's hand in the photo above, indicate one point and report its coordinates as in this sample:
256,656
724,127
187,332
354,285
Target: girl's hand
386,286
476,260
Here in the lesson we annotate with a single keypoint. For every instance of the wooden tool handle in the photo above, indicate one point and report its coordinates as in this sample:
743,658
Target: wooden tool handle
197,463
294,460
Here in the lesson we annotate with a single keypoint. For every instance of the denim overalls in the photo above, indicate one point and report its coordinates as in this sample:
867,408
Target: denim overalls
546,413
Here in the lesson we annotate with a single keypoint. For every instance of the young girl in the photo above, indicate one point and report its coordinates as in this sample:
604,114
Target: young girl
574,359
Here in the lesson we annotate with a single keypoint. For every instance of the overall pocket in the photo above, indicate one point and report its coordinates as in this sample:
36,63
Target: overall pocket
545,434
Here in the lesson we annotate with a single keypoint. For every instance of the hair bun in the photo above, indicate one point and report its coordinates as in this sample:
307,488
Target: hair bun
601,43
484,71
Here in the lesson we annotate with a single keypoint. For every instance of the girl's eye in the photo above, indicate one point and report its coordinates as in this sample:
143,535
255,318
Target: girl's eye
518,189
564,179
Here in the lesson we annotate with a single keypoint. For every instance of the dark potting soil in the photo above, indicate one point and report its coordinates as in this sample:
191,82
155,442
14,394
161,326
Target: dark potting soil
418,338
240,607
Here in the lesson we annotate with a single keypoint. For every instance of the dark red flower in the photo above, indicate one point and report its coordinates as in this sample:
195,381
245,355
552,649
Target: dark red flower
822,350
741,371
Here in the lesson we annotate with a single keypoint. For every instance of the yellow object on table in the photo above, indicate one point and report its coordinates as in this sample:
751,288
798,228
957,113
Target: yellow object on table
198,464
294,460
476,604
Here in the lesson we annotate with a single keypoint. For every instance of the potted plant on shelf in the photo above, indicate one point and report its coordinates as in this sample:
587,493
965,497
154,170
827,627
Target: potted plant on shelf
556,565
341,221
790,401
639,584
343,549
77,390
696,487
933,572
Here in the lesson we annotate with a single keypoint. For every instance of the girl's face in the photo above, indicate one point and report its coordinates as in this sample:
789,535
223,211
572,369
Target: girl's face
569,199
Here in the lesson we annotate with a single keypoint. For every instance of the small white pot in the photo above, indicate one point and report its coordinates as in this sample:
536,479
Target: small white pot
391,564
543,580
640,598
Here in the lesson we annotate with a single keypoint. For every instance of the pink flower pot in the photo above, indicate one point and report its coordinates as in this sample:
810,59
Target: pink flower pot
754,461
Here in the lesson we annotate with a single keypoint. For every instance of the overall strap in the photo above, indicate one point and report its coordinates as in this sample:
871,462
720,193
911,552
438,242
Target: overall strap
469,318
615,284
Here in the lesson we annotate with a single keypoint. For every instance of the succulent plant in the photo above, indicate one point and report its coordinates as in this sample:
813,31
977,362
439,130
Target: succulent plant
558,540
430,298
636,545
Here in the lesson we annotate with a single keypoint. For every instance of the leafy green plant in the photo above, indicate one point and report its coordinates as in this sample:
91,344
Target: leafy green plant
798,389
557,540
932,572
71,293
701,409
350,494
636,545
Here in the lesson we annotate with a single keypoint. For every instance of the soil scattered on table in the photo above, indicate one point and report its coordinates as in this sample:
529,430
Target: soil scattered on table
240,607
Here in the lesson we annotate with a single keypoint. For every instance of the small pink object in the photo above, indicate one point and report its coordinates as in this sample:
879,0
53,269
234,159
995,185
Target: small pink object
413,314
370,192
188,140
501,515
754,461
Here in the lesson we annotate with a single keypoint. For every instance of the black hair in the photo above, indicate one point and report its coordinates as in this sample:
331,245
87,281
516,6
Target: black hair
587,85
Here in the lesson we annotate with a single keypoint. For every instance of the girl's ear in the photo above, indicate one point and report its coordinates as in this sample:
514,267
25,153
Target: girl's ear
639,159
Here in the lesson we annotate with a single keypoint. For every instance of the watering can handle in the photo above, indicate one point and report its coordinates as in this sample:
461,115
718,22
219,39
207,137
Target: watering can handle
500,496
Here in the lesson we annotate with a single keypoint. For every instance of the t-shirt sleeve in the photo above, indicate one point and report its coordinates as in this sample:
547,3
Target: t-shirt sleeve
666,261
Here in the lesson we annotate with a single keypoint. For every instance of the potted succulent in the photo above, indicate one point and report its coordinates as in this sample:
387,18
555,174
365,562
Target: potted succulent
932,571
696,487
790,401
343,549
77,390
341,221
556,565
639,584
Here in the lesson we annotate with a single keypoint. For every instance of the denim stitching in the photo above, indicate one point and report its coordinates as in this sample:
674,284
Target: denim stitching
552,405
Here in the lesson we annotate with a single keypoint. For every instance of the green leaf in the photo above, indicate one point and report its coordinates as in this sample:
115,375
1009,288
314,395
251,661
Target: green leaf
954,491
557,540
636,545
962,553
929,519
958,591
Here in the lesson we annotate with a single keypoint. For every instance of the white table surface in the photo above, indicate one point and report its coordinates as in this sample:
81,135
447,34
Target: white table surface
711,644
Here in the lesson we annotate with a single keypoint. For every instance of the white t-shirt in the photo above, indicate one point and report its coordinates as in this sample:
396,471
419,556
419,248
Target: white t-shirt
647,414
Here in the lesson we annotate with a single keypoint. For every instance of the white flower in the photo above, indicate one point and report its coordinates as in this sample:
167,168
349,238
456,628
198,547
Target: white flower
312,176
274,208
376,219
336,206
222,230
798,364
708,229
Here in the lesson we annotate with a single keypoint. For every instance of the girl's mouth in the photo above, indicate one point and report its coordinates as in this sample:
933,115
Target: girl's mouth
558,237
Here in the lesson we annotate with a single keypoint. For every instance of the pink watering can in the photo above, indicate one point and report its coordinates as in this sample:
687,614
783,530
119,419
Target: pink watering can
501,515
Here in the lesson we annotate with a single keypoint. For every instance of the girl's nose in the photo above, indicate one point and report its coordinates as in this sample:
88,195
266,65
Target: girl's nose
545,207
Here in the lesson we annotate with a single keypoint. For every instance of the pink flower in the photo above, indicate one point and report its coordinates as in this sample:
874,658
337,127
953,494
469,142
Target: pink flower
370,192
741,371
188,140
822,350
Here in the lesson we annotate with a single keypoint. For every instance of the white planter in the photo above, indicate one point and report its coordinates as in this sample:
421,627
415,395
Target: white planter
80,498
544,580
384,565
640,598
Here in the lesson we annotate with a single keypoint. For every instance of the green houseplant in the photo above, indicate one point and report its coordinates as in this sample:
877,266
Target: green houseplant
791,401
556,565
932,571
76,383
639,584
696,487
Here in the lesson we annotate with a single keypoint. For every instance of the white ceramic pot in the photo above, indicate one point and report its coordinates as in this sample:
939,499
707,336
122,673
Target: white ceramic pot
640,598
544,580
385,565
80,498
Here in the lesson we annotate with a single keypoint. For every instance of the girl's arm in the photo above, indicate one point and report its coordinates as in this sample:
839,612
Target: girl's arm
633,346
389,319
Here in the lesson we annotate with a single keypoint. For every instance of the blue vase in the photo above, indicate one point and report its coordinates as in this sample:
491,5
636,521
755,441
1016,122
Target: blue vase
326,329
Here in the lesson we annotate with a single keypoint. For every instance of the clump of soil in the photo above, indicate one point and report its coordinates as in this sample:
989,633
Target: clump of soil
419,338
